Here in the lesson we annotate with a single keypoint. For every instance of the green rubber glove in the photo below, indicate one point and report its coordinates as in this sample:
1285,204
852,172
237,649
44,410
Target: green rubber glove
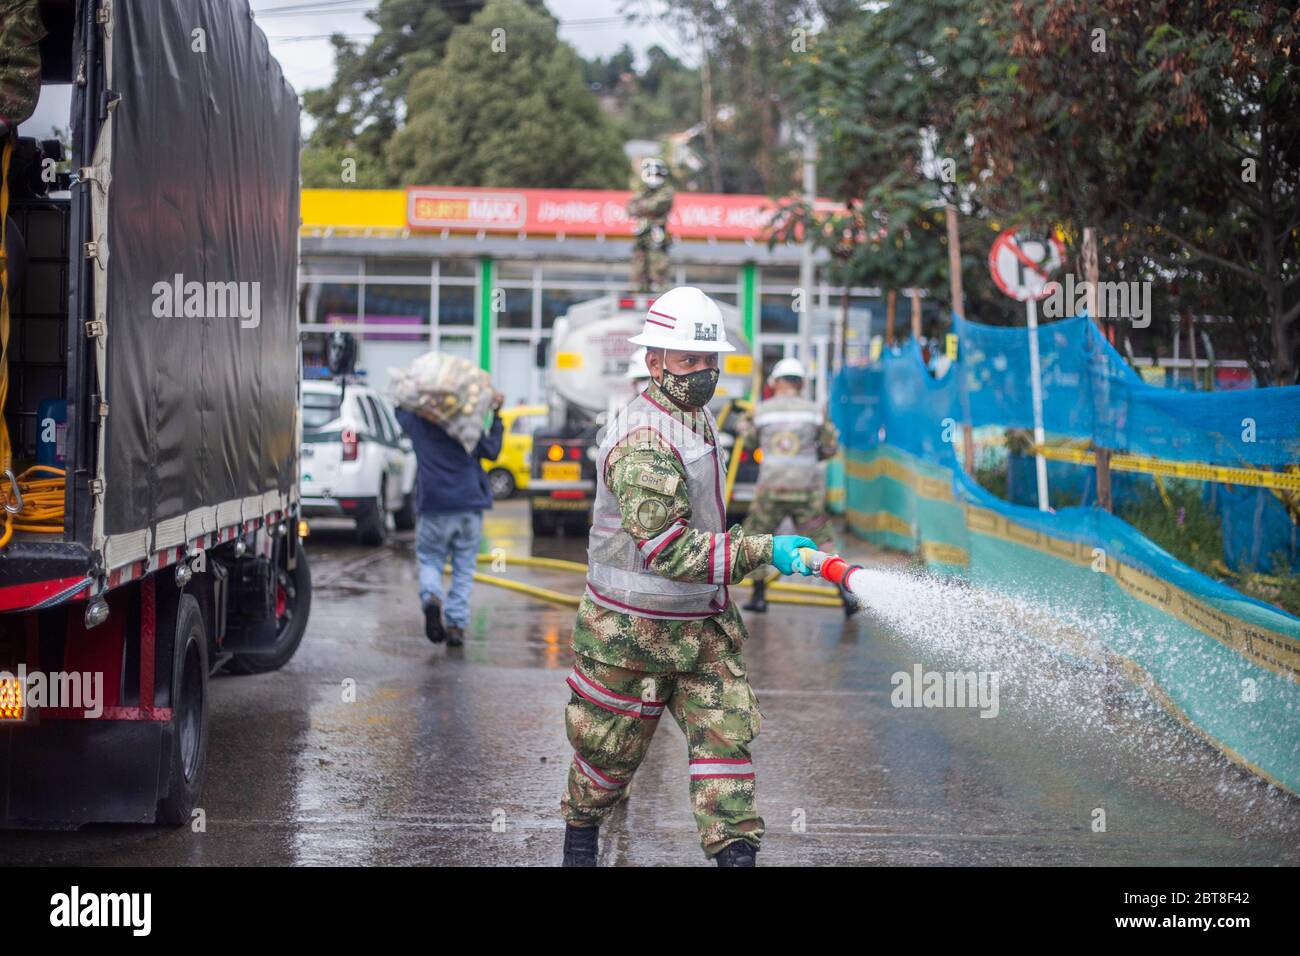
785,553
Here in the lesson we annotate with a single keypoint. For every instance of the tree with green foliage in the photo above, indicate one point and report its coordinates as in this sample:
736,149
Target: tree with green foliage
647,104
1168,126
358,113
507,106
604,76
884,92
1171,126
742,89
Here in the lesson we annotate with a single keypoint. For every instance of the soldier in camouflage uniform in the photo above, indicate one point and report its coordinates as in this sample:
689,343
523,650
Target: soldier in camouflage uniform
649,210
796,439
656,629
20,62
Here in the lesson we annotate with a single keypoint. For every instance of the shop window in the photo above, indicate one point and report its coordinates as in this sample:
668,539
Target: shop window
456,305
516,308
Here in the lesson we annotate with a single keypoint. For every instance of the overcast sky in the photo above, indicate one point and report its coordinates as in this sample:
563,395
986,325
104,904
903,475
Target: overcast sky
299,33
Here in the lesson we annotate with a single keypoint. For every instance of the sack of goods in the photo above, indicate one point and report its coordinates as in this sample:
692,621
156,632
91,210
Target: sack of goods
449,391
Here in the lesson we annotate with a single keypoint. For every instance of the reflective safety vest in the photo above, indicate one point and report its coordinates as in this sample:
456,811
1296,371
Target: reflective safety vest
788,429
619,576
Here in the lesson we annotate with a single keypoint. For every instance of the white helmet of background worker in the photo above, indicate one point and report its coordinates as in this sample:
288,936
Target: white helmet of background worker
684,320
788,368
636,367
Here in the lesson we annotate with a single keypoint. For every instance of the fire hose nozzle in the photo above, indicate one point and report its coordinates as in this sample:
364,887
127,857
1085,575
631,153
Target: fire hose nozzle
813,558
830,566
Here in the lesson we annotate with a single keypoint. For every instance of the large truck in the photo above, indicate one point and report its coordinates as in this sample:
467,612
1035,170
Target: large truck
152,363
587,381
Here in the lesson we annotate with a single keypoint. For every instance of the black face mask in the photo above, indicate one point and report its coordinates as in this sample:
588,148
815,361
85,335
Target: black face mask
692,391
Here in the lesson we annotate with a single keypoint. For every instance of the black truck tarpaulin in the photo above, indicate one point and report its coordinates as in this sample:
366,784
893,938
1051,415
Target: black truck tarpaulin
200,271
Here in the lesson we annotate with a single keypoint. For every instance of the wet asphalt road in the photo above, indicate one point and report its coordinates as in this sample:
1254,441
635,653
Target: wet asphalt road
459,756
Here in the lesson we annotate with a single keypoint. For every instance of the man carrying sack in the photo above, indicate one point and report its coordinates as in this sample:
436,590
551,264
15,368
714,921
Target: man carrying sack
442,403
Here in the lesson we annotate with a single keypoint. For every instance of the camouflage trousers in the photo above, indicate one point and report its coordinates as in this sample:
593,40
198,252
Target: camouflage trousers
649,269
612,715
806,509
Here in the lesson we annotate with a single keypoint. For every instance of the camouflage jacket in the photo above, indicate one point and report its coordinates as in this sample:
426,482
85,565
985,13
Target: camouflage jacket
633,471
21,31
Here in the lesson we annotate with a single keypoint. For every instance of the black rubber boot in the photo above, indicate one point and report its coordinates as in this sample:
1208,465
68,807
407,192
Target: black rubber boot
758,603
433,629
580,845
740,853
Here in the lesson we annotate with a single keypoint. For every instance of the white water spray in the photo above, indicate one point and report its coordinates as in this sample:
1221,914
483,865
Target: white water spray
1057,671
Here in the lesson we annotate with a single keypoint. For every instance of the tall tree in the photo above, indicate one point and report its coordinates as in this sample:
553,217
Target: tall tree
741,45
507,106
649,103
885,89
1172,127
363,106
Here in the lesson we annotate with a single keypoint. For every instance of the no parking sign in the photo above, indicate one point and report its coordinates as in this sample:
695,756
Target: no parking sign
1023,264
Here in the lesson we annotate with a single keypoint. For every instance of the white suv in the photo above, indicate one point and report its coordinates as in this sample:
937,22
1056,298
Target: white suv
356,461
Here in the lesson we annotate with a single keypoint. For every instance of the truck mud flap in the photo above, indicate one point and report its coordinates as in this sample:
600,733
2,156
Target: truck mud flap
64,773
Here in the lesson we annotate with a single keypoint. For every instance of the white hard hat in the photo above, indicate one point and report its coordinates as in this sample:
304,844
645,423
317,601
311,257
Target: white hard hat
685,320
787,368
636,367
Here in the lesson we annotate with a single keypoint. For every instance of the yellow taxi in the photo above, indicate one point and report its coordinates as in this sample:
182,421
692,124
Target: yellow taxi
510,470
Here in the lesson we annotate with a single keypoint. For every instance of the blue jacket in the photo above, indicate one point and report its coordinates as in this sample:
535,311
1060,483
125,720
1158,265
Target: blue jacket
450,479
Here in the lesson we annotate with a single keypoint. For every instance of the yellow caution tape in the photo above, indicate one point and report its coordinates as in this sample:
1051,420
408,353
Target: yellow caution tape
1255,477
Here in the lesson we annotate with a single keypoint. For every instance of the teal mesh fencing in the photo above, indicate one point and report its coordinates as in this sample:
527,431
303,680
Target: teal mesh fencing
1193,640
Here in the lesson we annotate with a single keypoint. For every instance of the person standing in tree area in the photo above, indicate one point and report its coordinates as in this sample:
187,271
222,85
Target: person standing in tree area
649,210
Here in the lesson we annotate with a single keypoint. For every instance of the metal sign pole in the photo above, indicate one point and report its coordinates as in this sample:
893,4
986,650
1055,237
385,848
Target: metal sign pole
806,268
1036,391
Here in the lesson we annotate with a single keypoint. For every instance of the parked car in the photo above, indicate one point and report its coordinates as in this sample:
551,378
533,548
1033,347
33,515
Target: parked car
511,470
356,460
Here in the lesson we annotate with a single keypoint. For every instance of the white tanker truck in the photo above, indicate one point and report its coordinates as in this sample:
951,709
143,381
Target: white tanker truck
587,367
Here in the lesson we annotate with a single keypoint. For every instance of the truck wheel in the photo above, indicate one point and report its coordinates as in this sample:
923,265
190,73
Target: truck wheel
404,517
292,608
372,521
189,699
502,483
543,523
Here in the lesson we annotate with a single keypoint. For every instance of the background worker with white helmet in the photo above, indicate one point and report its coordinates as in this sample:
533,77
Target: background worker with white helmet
796,438
637,377
637,373
656,630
